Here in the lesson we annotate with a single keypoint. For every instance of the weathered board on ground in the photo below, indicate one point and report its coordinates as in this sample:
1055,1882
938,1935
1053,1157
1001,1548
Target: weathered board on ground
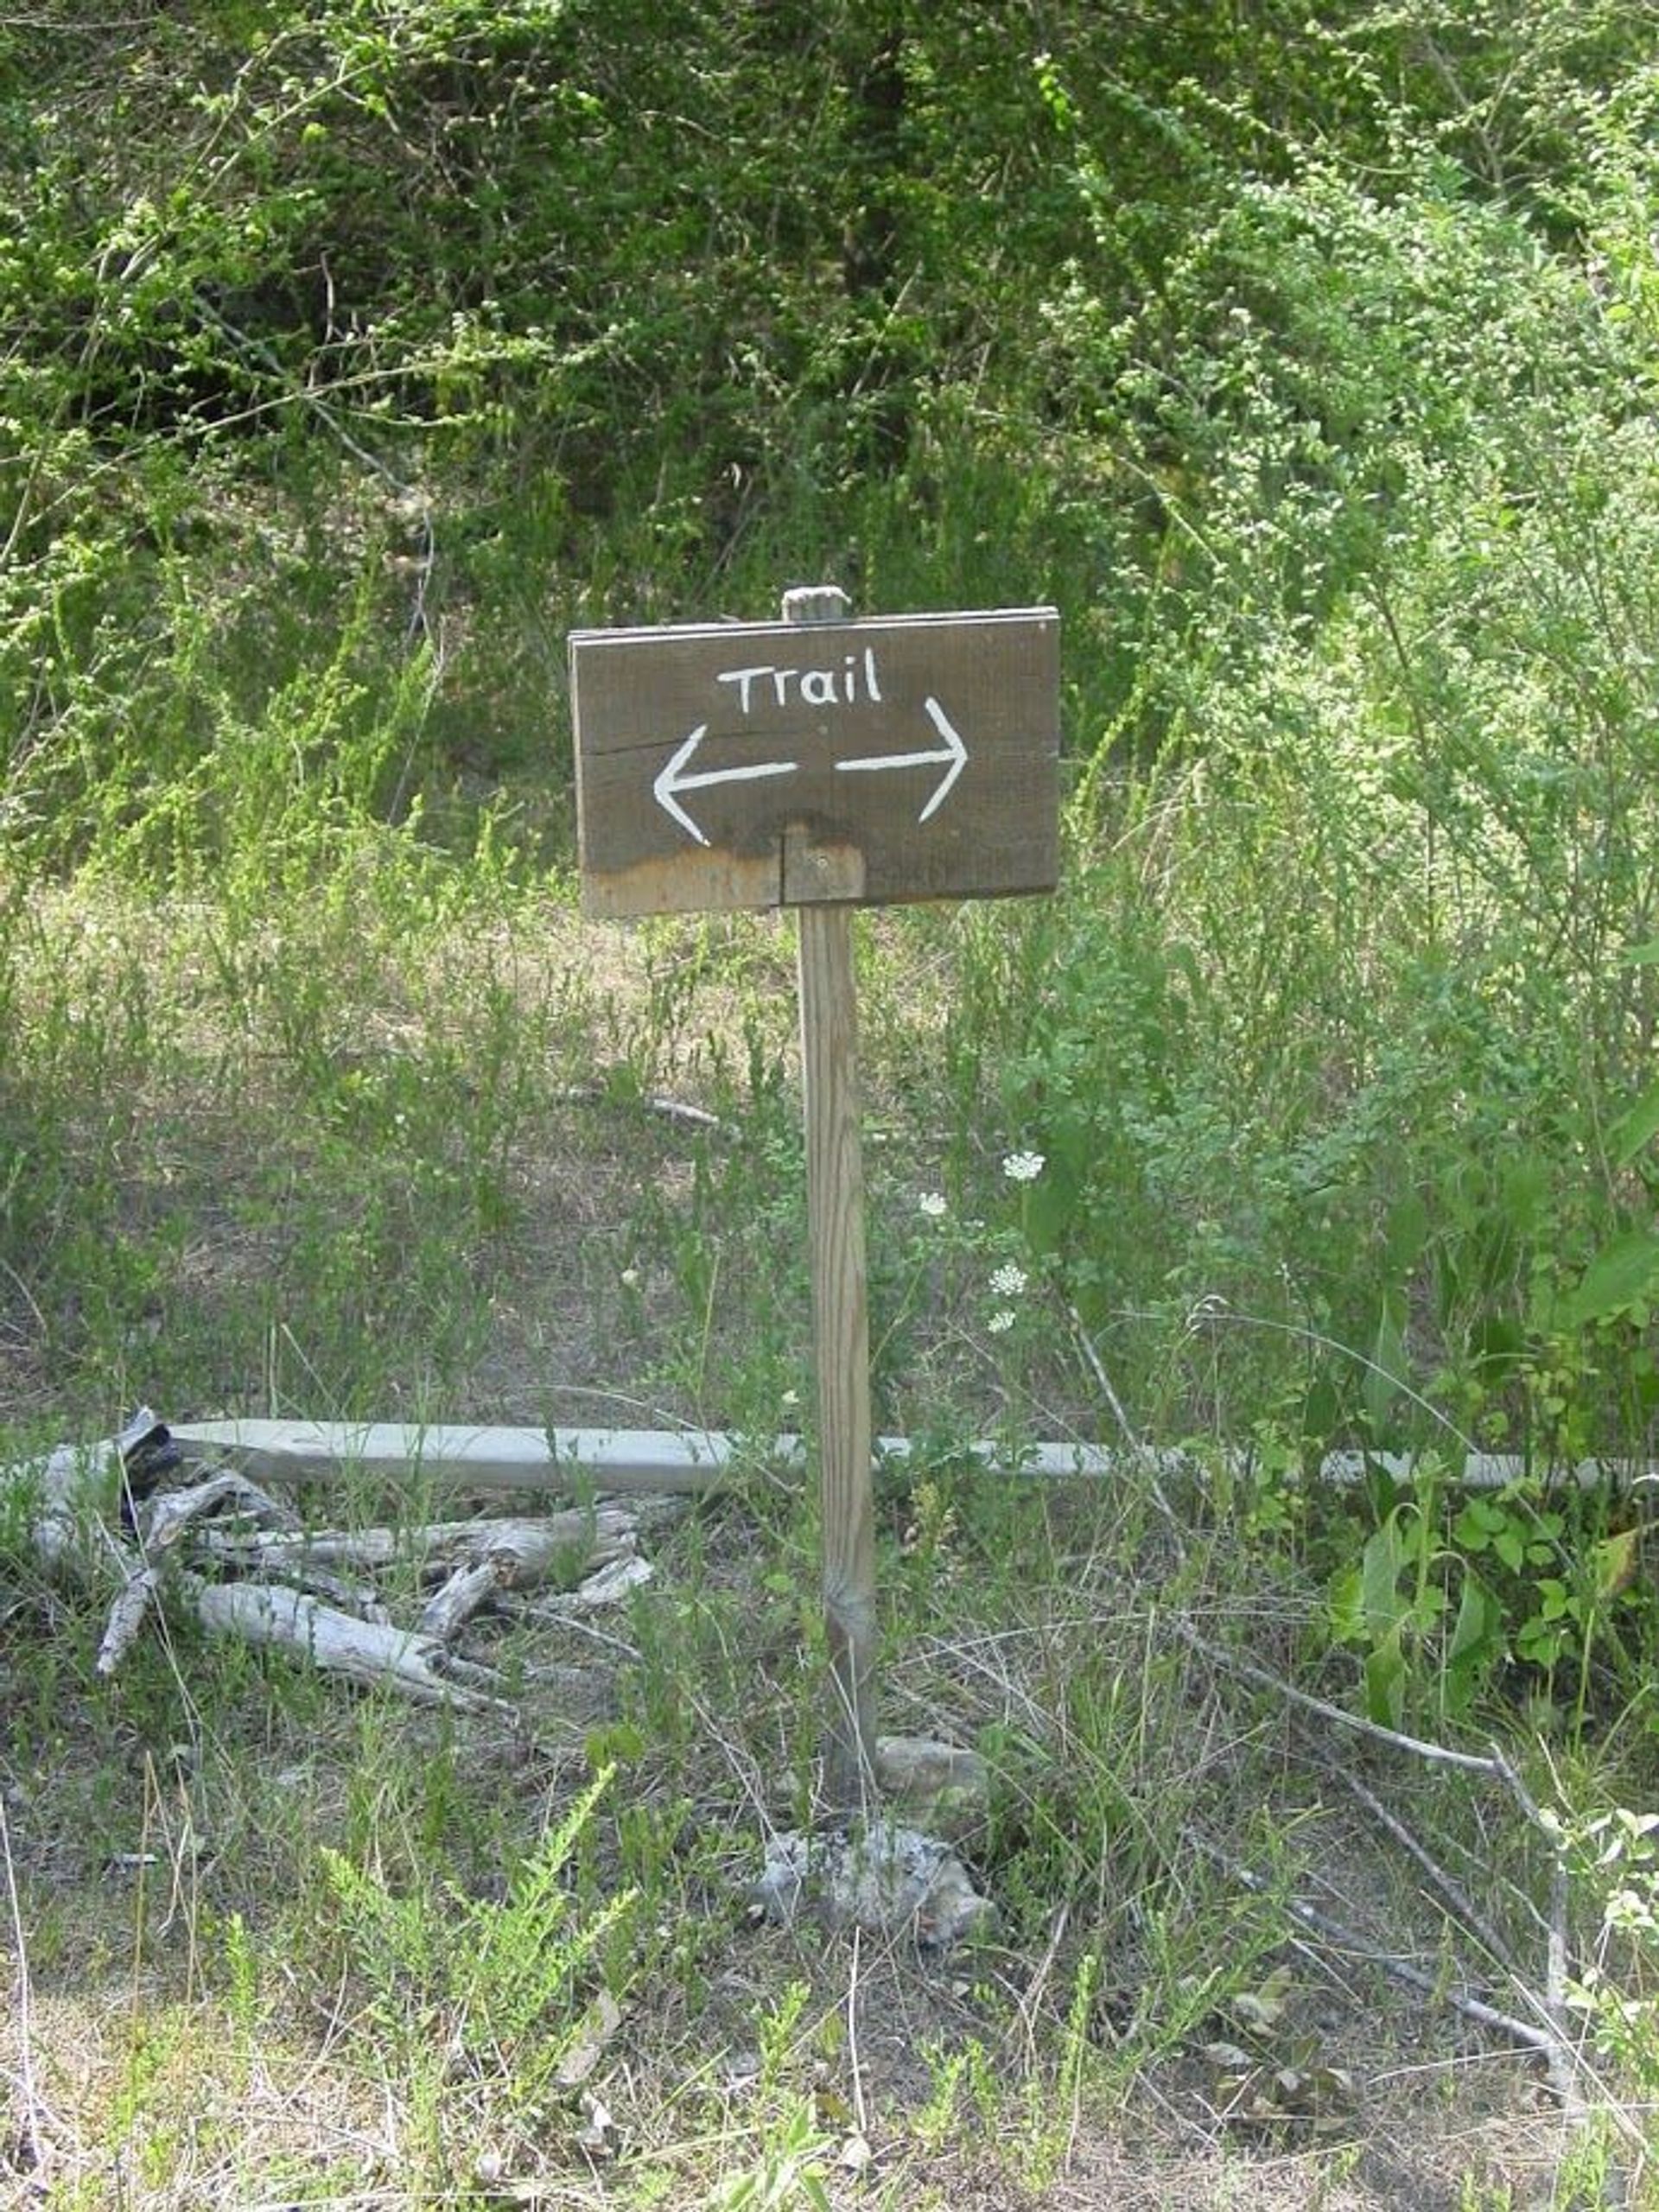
463,1456
771,764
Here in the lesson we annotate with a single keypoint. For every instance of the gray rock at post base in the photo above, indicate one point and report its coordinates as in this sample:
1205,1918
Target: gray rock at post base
941,1788
886,1879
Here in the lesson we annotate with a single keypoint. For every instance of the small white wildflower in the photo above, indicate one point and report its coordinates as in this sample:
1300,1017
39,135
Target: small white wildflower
790,1399
1001,1322
1023,1166
1009,1281
931,1203
630,1278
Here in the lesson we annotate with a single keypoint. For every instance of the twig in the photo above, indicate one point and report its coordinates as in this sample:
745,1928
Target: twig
31,2096
1096,1367
1440,1754
1553,2041
860,2114
1144,1458
76,26
1028,1999
652,1101
22,1289
531,1608
304,395
1541,2039
1555,1947
1451,1889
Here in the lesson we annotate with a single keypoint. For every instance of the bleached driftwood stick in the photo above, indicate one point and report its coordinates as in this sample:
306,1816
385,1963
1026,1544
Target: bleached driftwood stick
608,1587
615,1568
70,1494
288,1620
163,1520
68,1536
521,1552
127,1616
468,1590
652,1101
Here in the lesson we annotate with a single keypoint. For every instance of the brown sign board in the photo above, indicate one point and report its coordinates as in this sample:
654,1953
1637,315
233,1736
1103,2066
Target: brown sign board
778,763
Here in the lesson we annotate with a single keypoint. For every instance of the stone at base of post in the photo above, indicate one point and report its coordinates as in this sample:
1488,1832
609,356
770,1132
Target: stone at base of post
886,1878
938,1787
892,1870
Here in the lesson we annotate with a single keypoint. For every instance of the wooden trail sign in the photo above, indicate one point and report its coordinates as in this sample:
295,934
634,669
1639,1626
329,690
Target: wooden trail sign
823,764
772,763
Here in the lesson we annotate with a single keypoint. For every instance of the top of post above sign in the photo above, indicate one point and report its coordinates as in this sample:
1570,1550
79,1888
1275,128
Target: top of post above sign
784,764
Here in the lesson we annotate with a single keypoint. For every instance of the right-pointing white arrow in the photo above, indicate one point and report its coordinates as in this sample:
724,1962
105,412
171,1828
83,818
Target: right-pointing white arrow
669,784
954,752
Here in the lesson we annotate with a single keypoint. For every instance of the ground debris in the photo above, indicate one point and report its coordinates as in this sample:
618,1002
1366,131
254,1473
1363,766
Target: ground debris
222,1548
881,1878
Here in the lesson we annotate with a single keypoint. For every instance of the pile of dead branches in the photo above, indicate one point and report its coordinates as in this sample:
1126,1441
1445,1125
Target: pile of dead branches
149,1523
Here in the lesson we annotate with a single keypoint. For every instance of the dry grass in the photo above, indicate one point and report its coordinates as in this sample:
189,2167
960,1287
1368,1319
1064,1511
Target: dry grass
189,2026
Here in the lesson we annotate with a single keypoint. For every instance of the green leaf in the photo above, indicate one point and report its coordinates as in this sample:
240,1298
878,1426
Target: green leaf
1049,1207
1387,1366
1385,1683
1380,1563
1614,1561
1636,1127
1406,1233
1523,1189
1347,1610
1473,1529
1623,1271
1556,1600
1476,1635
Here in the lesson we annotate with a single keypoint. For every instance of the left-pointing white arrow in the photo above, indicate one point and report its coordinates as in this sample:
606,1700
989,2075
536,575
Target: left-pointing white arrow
670,783
953,752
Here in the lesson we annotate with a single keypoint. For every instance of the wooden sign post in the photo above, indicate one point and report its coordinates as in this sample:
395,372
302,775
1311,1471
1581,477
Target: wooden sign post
834,1218
823,764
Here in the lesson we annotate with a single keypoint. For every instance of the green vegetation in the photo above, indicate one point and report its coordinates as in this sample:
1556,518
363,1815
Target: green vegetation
356,350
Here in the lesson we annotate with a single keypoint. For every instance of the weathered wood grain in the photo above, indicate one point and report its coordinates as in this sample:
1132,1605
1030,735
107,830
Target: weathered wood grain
835,1192
821,772
454,1456
835,1209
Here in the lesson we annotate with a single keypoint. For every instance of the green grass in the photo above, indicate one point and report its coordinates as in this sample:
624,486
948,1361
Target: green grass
1335,1046
410,1172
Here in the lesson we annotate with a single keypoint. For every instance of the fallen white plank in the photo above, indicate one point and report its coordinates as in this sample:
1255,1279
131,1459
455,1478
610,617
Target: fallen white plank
617,1460
699,1461
624,1460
